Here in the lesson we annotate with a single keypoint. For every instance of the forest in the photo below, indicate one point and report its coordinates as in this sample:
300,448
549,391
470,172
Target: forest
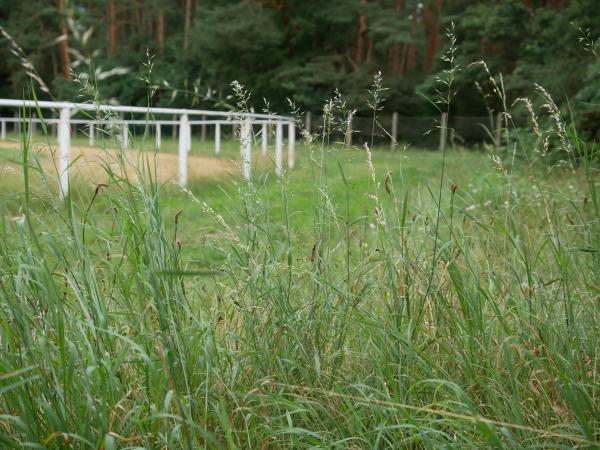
302,50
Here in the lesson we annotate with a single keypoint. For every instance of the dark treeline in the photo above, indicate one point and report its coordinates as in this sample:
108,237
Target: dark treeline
300,49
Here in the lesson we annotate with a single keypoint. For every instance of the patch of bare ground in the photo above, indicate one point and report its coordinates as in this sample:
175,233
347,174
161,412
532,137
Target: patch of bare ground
92,163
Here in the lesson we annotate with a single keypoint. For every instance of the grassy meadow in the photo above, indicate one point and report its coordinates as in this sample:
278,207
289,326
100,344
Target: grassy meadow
368,299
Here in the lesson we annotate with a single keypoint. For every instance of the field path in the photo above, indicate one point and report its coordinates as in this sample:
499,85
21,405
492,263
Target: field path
91,162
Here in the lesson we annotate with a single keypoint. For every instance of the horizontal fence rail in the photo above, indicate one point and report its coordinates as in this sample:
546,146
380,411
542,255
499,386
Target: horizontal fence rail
55,121
136,109
243,120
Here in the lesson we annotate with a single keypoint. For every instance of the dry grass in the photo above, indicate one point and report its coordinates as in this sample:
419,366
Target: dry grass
90,163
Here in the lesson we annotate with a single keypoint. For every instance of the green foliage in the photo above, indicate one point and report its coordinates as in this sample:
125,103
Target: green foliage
241,41
306,50
345,304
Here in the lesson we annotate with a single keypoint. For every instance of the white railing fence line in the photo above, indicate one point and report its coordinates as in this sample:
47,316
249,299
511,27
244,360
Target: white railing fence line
54,121
136,109
245,122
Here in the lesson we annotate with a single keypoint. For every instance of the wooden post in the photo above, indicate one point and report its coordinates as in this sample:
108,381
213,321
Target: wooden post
349,130
64,146
279,148
218,138
394,142
203,130
158,136
498,140
91,140
3,130
265,137
183,148
246,141
443,131
308,122
291,145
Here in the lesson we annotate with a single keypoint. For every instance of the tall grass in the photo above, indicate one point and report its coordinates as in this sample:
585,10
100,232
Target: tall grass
410,326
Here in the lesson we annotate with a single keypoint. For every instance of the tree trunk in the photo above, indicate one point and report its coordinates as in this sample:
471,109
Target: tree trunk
65,57
138,20
160,29
187,24
395,51
113,35
556,4
359,45
279,5
410,50
431,21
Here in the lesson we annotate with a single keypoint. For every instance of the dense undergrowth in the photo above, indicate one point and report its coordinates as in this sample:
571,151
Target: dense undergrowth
421,323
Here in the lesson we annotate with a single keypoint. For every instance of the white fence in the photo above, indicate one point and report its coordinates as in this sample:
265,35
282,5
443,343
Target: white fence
245,121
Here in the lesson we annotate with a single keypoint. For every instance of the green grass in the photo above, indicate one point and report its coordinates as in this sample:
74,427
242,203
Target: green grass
308,312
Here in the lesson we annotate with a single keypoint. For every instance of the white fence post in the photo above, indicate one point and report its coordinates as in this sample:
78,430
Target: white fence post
265,137
91,139
188,133
203,130
183,148
217,138
3,130
308,122
64,144
279,148
157,137
246,141
125,135
291,145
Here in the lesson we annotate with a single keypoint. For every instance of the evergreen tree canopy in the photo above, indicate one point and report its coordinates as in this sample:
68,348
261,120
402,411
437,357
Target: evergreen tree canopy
298,49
